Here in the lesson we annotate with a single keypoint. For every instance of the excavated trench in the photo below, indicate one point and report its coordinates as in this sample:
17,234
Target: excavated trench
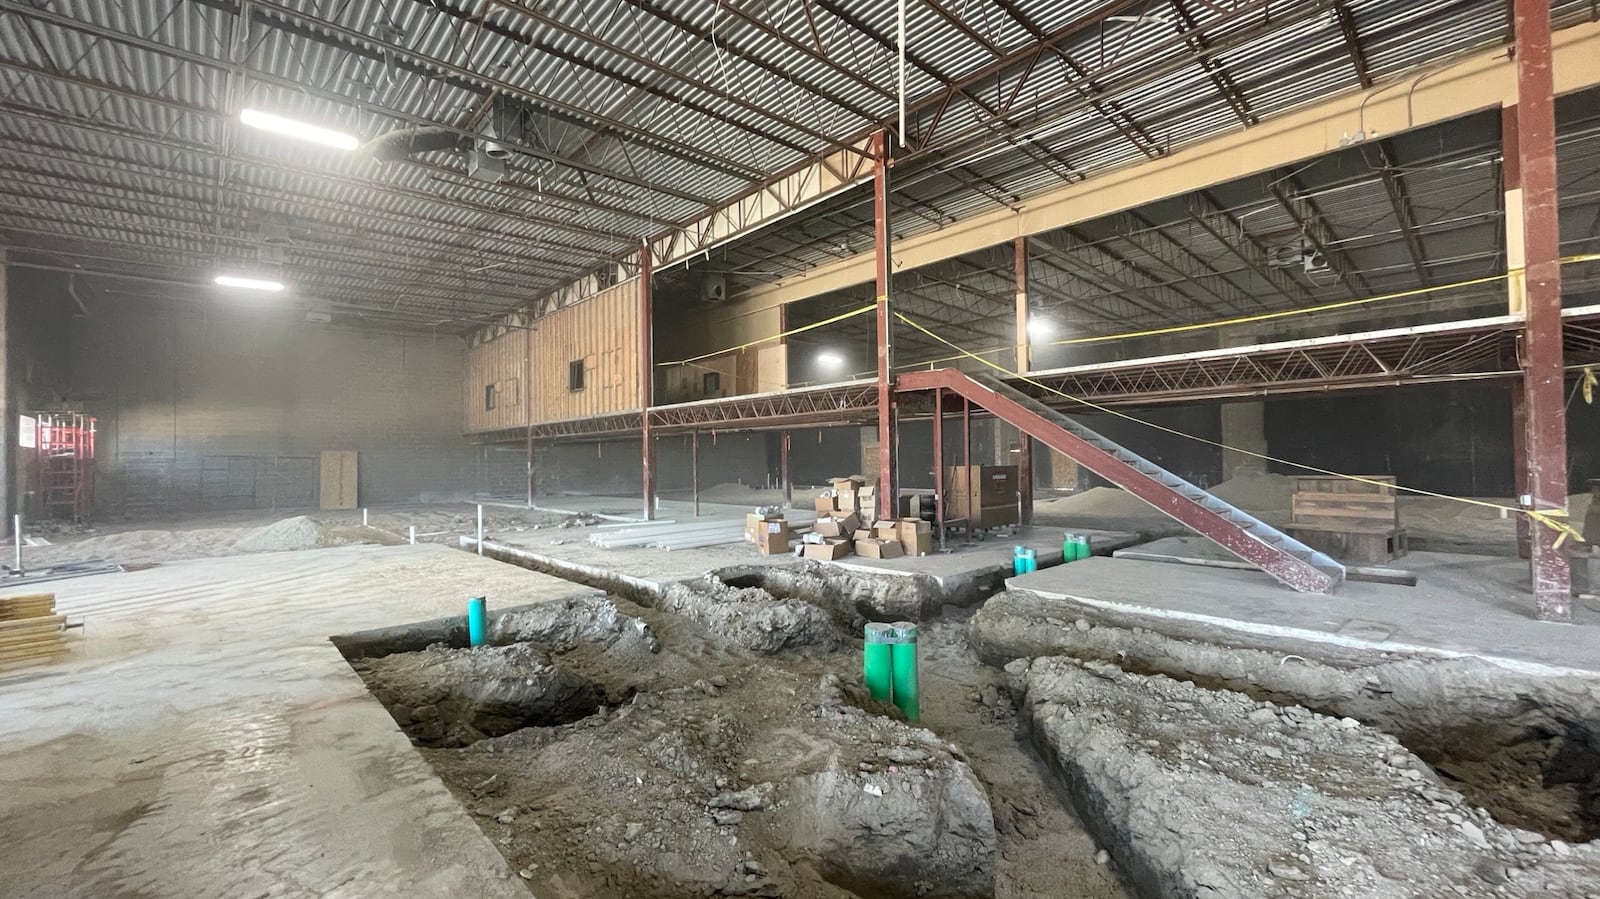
716,741
710,738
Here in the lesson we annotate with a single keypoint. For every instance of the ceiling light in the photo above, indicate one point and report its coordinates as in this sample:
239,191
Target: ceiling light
829,359
315,134
1039,328
248,283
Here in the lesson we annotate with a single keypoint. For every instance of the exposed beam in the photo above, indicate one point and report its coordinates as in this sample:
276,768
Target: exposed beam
1471,84
1382,160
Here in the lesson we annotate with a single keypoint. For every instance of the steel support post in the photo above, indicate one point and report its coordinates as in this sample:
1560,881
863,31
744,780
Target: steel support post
966,460
1019,268
694,470
1543,376
938,463
533,484
646,381
1024,479
1519,465
888,489
784,446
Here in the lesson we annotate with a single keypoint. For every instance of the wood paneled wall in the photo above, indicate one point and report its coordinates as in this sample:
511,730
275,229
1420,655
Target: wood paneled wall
501,363
528,365
603,331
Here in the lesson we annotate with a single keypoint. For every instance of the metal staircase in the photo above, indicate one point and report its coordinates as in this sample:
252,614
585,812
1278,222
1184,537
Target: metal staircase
1291,562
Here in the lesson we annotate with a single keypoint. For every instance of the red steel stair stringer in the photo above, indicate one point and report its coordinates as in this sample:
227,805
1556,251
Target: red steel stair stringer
1290,562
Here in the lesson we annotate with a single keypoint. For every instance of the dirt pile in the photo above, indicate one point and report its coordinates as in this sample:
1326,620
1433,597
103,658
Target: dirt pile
1524,747
850,598
1209,793
695,770
750,617
289,534
1255,492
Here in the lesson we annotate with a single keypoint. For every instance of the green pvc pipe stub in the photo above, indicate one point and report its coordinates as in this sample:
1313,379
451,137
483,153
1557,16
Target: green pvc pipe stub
904,664
877,661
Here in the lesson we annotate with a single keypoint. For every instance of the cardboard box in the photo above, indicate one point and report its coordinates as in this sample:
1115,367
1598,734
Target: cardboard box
843,526
847,502
915,535
847,485
886,529
754,524
825,505
774,538
862,534
879,549
827,552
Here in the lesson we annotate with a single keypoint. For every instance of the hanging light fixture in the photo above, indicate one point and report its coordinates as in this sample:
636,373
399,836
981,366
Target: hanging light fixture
298,130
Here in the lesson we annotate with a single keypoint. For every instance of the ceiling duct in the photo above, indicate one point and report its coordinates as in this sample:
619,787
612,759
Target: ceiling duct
404,143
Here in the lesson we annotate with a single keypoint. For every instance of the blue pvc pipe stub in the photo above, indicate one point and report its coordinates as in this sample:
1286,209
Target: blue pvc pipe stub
478,620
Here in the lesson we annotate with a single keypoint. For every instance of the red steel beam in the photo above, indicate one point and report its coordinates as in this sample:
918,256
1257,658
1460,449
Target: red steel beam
1543,376
647,372
888,492
1287,569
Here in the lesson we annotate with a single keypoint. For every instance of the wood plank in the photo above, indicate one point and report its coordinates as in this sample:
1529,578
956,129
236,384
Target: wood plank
26,624
32,657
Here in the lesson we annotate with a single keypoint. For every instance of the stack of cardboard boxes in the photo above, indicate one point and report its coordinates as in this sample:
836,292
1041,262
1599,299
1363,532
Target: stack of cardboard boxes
843,512
768,531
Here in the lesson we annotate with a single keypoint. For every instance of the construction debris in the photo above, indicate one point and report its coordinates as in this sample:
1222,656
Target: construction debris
30,630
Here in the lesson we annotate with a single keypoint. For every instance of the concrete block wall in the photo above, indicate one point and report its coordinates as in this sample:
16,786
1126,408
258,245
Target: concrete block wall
213,408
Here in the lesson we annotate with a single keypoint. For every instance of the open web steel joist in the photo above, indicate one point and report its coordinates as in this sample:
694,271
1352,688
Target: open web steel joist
1291,562
1479,348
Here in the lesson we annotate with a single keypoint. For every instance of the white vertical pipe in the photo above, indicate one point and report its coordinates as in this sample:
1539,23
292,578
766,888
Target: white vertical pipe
901,49
480,529
16,529
411,534
363,517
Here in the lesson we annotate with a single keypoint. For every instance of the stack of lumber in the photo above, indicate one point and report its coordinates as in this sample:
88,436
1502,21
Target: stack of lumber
30,630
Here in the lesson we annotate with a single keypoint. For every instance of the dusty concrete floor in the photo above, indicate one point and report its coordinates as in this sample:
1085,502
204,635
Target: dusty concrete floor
1473,605
205,739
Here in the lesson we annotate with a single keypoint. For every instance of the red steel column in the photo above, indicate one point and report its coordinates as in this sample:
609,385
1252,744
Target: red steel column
1543,378
938,463
888,489
647,378
1516,304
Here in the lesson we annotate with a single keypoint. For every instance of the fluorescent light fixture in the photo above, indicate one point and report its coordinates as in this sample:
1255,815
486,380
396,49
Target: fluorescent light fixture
829,359
1039,328
315,134
248,283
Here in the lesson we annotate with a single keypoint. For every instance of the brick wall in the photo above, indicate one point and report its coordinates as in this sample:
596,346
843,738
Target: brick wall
225,408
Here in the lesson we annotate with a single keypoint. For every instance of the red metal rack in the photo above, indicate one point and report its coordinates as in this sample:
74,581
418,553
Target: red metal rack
66,464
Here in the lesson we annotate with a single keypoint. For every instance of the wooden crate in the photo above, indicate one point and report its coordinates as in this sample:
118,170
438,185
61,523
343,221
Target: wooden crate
1361,547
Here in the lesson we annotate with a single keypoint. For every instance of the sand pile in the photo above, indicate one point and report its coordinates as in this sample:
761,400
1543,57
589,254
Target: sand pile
1109,501
294,533
1256,492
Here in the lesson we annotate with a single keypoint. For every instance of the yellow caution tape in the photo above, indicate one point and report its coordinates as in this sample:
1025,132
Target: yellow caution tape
1555,519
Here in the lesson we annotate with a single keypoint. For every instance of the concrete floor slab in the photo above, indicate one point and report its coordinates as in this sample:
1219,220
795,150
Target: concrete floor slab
205,739
1462,606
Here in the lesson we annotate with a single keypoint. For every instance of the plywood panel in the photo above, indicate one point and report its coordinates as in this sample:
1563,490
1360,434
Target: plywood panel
603,331
339,477
499,366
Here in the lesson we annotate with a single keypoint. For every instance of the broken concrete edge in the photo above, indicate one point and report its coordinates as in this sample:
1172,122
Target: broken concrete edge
638,589
1397,576
1333,649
